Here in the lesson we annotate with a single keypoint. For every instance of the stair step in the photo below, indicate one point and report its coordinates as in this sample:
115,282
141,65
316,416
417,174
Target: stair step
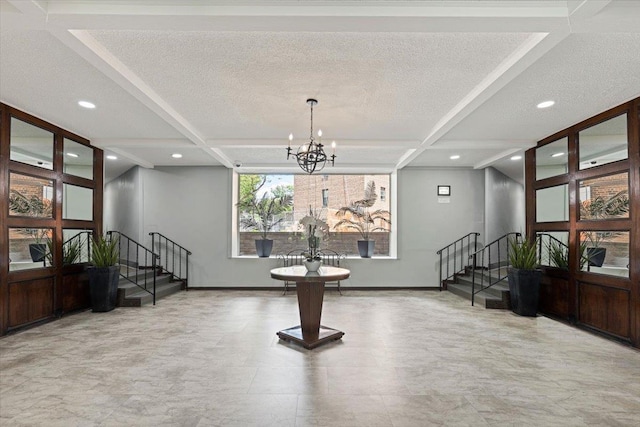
496,290
134,295
497,298
128,288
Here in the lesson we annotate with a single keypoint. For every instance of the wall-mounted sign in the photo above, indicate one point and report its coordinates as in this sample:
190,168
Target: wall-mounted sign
444,190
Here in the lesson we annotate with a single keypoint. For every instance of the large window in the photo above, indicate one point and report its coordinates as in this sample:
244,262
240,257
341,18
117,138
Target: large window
288,198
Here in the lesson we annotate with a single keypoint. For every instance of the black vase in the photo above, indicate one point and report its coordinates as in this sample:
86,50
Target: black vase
524,289
103,285
365,248
596,256
37,251
264,247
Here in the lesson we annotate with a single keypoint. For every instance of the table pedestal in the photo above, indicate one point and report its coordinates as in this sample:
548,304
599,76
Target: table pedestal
310,333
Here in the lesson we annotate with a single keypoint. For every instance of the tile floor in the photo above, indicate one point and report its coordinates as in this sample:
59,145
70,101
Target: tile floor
211,358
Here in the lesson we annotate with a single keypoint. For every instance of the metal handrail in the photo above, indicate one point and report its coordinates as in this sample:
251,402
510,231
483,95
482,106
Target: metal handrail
502,240
172,252
133,257
82,244
583,258
447,248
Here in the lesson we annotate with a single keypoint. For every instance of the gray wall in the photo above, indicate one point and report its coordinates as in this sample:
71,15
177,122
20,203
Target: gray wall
504,205
123,204
192,205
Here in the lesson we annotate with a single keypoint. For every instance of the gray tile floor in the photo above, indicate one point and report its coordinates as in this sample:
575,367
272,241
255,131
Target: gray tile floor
209,358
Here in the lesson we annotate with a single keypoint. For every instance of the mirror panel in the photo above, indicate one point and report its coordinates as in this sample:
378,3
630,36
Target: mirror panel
552,204
30,196
28,248
78,159
607,252
554,248
31,144
76,244
552,159
604,197
77,202
603,143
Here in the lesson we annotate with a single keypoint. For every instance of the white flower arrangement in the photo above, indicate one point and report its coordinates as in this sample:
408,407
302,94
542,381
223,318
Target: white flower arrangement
314,229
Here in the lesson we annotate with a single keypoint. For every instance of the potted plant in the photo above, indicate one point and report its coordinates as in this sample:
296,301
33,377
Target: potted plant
315,230
104,273
32,206
358,217
263,213
524,277
70,252
559,255
599,208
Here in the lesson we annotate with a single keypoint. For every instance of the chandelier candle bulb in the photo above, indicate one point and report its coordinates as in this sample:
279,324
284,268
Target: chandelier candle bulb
290,139
333,147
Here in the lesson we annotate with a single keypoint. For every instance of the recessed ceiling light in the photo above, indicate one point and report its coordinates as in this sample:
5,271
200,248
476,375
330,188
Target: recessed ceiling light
557,155
112,157
516,157
87,104
546,104
454,157
176,155
72,155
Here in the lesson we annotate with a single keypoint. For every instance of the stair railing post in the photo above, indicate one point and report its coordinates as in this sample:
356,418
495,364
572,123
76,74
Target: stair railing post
439,271
153,257
186,268
473,279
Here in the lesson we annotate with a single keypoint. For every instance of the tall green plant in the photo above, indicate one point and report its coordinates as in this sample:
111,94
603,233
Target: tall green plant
262,213
360,218
70,252
523,255
104,252
558,255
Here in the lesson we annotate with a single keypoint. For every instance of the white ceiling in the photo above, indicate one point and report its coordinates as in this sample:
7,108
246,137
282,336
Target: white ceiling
399,83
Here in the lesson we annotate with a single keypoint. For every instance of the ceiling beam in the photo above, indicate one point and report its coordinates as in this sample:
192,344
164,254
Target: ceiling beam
530,51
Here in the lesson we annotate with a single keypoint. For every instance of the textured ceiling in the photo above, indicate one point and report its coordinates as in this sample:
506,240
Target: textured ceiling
399,83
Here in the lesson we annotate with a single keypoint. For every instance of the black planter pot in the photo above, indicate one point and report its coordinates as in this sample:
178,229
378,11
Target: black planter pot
596,256
103,285
37,251
524,287
365,248
264,247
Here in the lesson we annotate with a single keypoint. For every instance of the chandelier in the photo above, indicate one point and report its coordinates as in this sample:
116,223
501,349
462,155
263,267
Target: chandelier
311,156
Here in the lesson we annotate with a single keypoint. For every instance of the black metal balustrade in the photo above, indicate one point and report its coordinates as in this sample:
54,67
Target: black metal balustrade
174,258
82,242
137,258
496,255
453,256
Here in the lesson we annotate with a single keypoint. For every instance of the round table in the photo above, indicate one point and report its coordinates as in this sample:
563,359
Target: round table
310,289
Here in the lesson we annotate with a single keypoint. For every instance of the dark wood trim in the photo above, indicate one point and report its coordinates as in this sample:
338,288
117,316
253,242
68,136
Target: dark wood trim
49,283
551,226
79,181
4,213
614,311
30,170
634,238
529,190
552,181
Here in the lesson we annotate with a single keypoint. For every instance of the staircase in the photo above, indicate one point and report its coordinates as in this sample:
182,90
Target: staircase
496,296
132,295
479,275
143,279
